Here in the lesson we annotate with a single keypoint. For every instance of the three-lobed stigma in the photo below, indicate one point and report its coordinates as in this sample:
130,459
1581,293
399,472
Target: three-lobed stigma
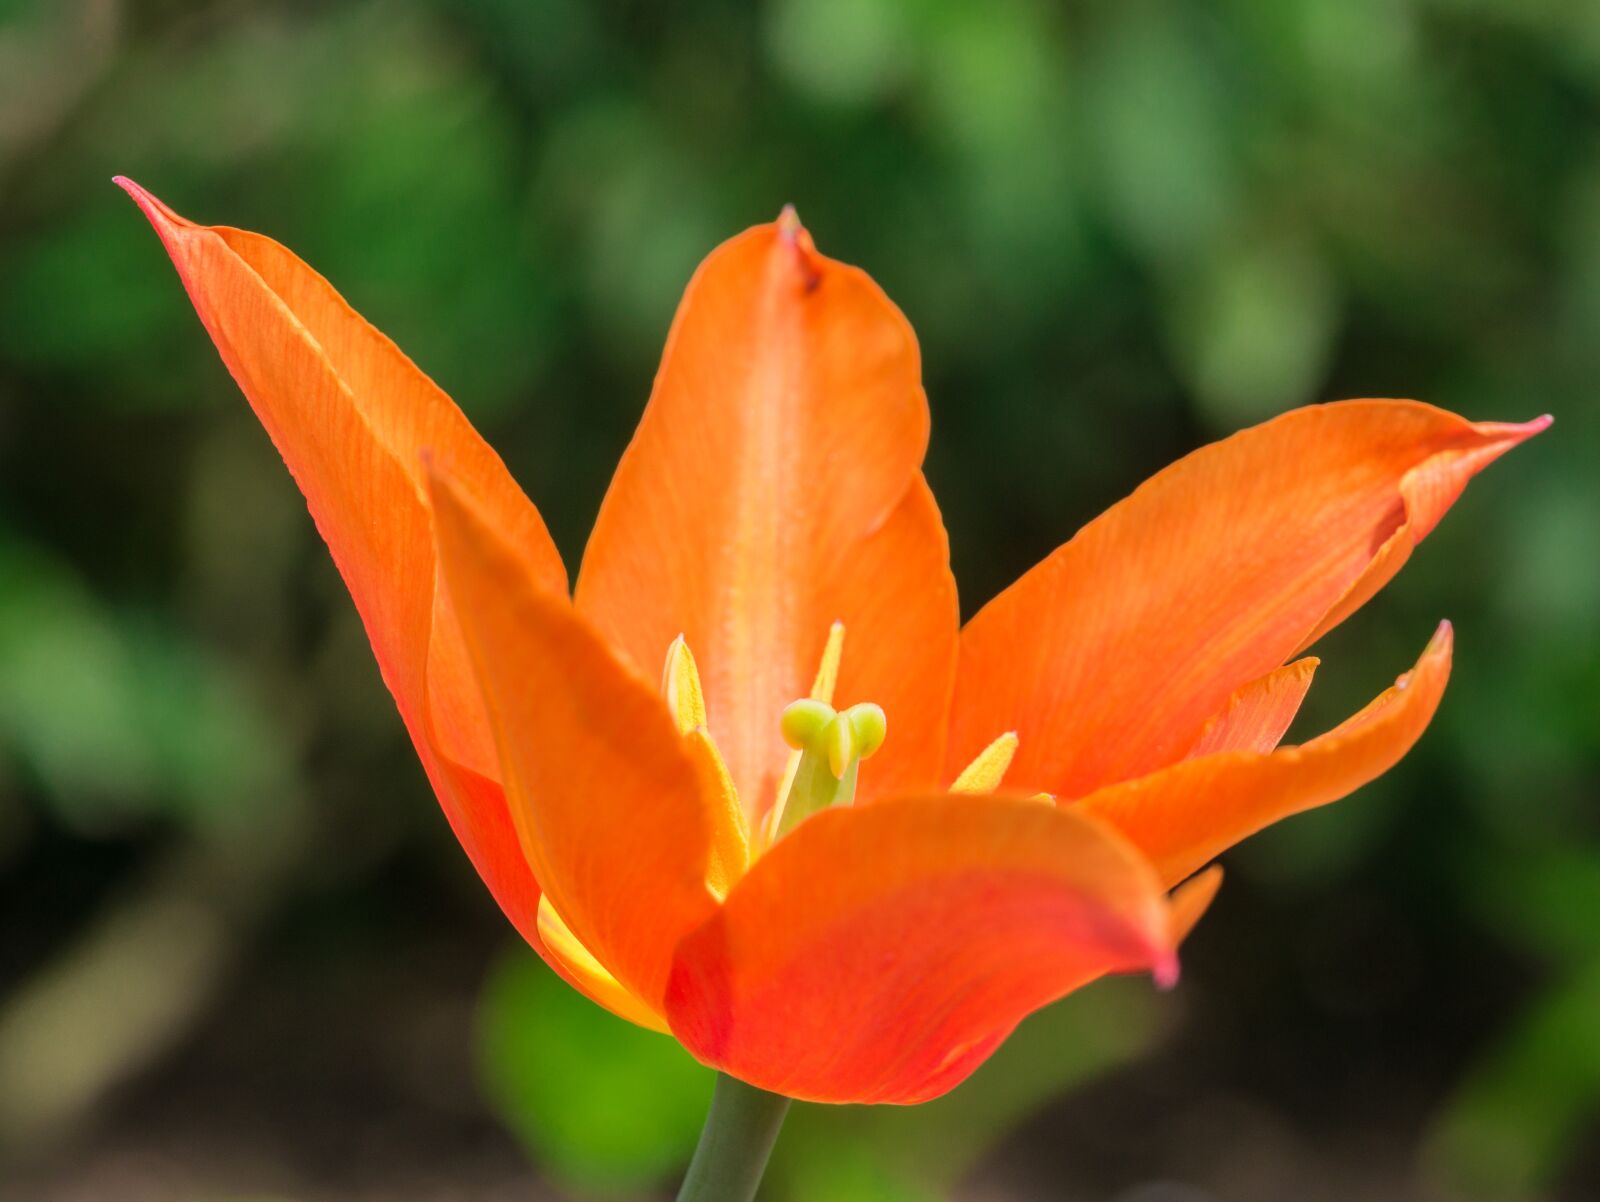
831,745
812,725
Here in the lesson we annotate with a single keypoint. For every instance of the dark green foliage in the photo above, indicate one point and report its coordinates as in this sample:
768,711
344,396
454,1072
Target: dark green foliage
1121,230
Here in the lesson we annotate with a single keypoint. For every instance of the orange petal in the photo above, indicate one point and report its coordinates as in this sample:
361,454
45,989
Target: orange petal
875,947
773,488
1108,657
1185,815
349,413
605,797
1257,716
1192,899
897,600
1189,904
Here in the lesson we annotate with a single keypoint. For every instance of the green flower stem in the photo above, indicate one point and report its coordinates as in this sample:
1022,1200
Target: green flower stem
738,1137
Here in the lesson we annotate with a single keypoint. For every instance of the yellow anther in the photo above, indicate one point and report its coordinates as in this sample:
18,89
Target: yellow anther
986,772
729,854
828,670
680,685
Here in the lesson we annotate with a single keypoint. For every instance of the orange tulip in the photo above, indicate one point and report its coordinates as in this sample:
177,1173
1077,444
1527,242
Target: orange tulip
680,844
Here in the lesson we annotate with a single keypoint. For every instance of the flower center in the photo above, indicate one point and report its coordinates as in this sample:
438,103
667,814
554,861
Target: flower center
828,744
831,746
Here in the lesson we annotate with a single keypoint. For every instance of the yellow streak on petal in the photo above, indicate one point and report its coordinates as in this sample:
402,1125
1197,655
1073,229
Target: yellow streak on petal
680,685
578,960
987,770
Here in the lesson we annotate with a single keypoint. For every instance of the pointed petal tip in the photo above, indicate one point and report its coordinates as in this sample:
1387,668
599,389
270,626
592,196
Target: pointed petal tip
797,240
1514,433
1165,971
140,195
158,214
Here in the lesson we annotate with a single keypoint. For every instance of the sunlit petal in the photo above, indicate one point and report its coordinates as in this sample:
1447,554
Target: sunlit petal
1258,714
1183,816
772,489
350,413
1109,657
874,947
604,794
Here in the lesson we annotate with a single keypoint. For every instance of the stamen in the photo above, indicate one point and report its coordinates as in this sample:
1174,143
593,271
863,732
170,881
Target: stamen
680,685
986,772
828,670
729,854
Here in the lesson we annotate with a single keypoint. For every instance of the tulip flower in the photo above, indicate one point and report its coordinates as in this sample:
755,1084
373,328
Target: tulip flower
752,782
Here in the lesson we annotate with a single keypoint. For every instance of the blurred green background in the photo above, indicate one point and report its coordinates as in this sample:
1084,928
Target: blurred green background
240,955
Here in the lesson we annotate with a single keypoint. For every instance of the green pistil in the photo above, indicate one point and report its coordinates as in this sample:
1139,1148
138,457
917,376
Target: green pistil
831,746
